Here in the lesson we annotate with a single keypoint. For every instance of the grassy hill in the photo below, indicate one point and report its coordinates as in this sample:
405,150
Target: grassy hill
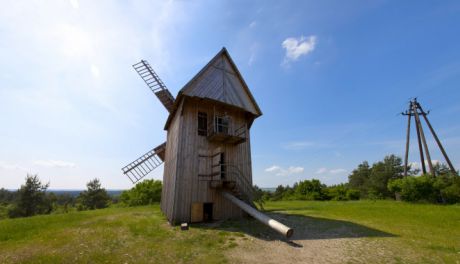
362,231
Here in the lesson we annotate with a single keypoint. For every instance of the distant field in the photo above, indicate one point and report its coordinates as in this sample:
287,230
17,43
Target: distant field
325,232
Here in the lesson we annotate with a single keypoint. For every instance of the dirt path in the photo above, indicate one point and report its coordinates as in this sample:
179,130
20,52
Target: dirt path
317,240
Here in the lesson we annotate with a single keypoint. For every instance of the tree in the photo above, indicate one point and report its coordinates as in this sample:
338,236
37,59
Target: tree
95,197
279,192
6,197
145,192
259,197
31,199
382,172
359,178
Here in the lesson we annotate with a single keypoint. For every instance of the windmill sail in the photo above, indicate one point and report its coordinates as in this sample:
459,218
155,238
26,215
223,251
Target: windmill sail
155,84
142,166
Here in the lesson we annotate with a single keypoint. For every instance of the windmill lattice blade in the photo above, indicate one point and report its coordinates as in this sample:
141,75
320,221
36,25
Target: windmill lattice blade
142,166
155,84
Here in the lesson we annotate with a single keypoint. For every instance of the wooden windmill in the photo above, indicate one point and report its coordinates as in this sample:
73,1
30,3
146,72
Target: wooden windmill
207,155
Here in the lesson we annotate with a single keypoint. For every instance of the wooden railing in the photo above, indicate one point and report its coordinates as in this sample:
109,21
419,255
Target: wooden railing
244,186
226,131
231,173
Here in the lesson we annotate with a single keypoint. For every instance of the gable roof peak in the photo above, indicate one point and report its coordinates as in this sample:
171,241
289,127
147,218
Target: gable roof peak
221,80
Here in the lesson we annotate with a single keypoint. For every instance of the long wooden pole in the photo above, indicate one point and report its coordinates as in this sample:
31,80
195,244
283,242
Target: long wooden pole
406,158
422,136
438,141
422,158
280,228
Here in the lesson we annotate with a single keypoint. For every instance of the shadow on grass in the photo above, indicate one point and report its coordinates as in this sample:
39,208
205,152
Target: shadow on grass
305,228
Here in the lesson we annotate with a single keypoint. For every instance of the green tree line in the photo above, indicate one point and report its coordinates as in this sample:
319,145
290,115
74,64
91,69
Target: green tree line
381,180
33,198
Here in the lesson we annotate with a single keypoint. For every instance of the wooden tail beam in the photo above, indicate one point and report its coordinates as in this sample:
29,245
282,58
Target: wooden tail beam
277,226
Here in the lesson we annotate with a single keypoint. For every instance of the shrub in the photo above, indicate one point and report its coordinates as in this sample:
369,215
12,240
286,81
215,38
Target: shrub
145,192
444,188
353,194
338,192
451,194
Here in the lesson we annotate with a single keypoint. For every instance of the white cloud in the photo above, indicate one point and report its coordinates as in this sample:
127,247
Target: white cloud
296,47
321,171
253,24
9,166
279,171
95,71
416,165
299,145
75,4
54,163
272,168
253,53
336,171
330,171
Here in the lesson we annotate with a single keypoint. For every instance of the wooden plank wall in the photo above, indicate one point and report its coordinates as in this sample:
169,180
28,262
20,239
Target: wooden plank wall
170,167
189,188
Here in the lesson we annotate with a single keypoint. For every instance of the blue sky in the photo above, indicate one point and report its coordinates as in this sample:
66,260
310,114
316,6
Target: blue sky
329,76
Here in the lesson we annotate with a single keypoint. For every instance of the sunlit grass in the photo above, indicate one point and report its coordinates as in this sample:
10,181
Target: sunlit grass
429,233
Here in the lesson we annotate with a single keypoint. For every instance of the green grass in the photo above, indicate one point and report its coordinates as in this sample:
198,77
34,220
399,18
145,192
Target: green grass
114,235
405,232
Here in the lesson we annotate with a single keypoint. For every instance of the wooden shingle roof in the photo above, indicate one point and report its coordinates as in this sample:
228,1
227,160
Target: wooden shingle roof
220,80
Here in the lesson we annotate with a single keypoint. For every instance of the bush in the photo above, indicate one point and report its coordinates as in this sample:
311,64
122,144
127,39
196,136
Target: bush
95,197
145,192
310,190
444,188
353,194
451,194
337,193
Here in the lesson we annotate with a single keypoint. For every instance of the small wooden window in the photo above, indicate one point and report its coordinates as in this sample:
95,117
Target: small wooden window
202,124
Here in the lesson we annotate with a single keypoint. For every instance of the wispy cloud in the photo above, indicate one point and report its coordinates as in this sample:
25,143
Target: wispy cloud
298,145
330,171
75,4
297,47
252,24
54,163
337,171
321,171
8,166
416,165
95,71
253,53
280,171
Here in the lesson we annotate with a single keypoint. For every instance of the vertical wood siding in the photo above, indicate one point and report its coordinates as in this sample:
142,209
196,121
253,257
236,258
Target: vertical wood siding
189,187
170,168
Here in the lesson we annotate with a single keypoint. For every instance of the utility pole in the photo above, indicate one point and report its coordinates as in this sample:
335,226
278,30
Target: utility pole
416,110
